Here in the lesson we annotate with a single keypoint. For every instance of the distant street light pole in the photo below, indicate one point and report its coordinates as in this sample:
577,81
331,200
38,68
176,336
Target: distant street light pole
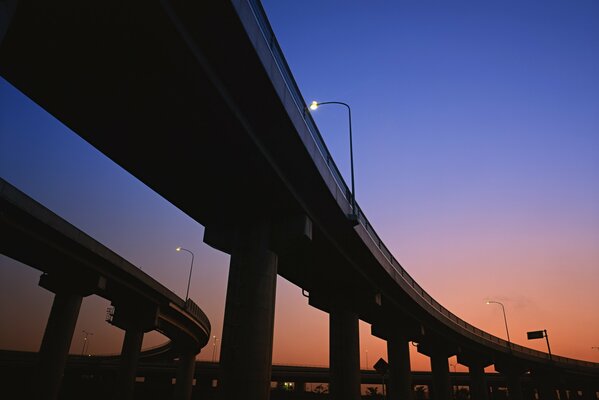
214,349
315,104
504,319
190,269
85,342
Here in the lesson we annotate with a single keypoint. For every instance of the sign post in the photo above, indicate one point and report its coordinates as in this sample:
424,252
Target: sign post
382,367
540,335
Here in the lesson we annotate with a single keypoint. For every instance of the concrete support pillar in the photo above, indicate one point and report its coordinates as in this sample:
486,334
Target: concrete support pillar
441,380
400,374
128,364
476,363
589,392
185,372
246,347
512,371
478,382
514,386
300,386
7,11
548,392
344,354
55,344
548,384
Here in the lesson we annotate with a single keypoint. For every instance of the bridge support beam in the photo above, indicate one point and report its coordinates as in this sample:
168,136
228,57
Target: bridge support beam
400,374
185,372
441,379
7,10
547,391
514,385
547,383
512,372
589,392
54,349
246,347
135,317
439,354
479,388
478,382
128,364
344,356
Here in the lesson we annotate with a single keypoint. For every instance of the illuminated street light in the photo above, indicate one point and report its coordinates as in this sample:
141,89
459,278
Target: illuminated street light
315,104
85,341
504,319
190,269
214,349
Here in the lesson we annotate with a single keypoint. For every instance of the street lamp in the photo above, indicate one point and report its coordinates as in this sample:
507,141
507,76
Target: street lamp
315,104
85,343
504,319
190,269
214,348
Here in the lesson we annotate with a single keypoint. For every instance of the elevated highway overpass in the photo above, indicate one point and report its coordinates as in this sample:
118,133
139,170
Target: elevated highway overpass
182,91
74,265
89,377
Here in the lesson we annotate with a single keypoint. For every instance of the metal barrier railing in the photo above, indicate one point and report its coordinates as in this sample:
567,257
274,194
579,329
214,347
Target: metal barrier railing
300,103
197,313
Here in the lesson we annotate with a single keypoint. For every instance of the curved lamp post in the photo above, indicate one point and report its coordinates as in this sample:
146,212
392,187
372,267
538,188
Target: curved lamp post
85,341
214,348
315,104
190,269
504,319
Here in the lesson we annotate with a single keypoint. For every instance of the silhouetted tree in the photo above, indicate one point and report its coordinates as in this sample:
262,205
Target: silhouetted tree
419,393
372,391
320,389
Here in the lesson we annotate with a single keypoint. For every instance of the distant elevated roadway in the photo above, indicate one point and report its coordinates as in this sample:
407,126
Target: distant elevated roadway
76,265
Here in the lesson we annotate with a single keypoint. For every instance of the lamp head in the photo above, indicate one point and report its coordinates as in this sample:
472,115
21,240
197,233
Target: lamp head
178,249
314,105
488,302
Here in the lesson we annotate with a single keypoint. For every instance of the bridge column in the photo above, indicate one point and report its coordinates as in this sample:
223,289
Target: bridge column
128,364
135,317
54,349
547,384
439,354
400,373
514,385
246,347
398,354
7,10
589,391
512,372
344,354
185,372
479,389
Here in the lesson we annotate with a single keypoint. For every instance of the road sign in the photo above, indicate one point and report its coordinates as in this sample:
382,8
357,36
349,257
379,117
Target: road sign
381,366
535,335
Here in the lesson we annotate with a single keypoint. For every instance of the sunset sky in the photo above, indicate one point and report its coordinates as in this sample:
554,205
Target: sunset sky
476,154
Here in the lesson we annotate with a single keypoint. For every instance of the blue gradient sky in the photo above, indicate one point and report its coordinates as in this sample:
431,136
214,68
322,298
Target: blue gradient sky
476,151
